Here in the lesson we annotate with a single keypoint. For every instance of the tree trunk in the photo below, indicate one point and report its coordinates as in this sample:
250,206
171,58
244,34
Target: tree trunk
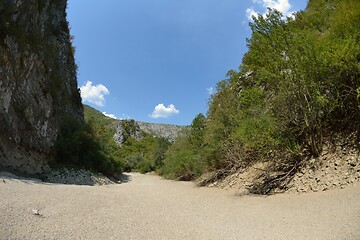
315,141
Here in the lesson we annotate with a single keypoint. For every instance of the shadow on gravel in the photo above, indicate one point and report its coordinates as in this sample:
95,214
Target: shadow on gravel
67,177
6,177
124,178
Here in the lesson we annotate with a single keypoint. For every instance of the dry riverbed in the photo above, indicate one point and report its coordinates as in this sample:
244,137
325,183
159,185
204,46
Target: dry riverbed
148,207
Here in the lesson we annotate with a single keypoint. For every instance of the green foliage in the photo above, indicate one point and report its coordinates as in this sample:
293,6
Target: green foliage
77,145
256,126
145,166
295,63
183,159
196,137
256,133
144,155
221,120
358,96
159,150
132,162
141,149
299,79
182,162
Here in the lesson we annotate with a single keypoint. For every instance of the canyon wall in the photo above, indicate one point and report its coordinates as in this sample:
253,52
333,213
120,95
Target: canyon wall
38,87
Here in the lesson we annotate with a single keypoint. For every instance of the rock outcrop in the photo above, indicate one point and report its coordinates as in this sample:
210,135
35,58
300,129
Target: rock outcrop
126,129
38,87
167,131
136,130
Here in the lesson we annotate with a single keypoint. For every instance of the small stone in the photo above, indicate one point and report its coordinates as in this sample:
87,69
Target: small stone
352,162
36,212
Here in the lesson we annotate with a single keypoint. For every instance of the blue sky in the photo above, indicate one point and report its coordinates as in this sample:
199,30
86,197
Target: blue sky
157,61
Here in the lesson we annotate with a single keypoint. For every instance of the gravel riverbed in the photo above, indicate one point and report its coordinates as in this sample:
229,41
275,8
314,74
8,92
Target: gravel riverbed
149,207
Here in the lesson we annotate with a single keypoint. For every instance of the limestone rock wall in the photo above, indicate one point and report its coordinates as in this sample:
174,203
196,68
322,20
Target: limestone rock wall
167,131
135,130
127,129
38,87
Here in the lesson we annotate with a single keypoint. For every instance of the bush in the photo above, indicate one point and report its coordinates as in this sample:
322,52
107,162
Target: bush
77,145
182,162
183,165
145,166
158,155
132,161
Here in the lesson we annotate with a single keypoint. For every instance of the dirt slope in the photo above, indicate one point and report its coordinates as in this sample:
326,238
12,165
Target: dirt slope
148,207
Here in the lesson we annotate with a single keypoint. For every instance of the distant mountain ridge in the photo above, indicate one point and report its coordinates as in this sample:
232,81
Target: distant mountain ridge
132,128
168,131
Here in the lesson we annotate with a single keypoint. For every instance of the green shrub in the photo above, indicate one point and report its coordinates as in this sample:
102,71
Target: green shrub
77,145
182,165
159,150
181,161
145,166
132,161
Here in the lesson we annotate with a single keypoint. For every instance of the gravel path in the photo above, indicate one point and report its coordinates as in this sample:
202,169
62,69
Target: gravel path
148,207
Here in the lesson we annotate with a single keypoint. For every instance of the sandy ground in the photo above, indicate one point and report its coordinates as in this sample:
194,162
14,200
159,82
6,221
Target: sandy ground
148,207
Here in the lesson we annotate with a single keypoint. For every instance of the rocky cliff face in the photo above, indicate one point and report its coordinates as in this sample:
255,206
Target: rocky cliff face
135,130
167,131
126,129
38,87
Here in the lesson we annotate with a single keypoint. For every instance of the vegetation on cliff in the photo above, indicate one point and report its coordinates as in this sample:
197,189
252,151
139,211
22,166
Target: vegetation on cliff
93,146
298,83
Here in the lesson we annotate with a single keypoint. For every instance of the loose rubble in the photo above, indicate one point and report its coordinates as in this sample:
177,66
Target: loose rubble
337,167
78,177
331,170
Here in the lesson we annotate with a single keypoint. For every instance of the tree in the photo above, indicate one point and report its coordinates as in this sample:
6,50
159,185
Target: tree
197,131
294,75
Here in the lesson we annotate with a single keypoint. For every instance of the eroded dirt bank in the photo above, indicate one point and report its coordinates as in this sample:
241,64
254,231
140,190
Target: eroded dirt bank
148,207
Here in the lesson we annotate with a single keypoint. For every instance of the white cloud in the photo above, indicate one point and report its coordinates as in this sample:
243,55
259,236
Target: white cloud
210,90
94,94
280,5
109,115
161,111
250,12
124,116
